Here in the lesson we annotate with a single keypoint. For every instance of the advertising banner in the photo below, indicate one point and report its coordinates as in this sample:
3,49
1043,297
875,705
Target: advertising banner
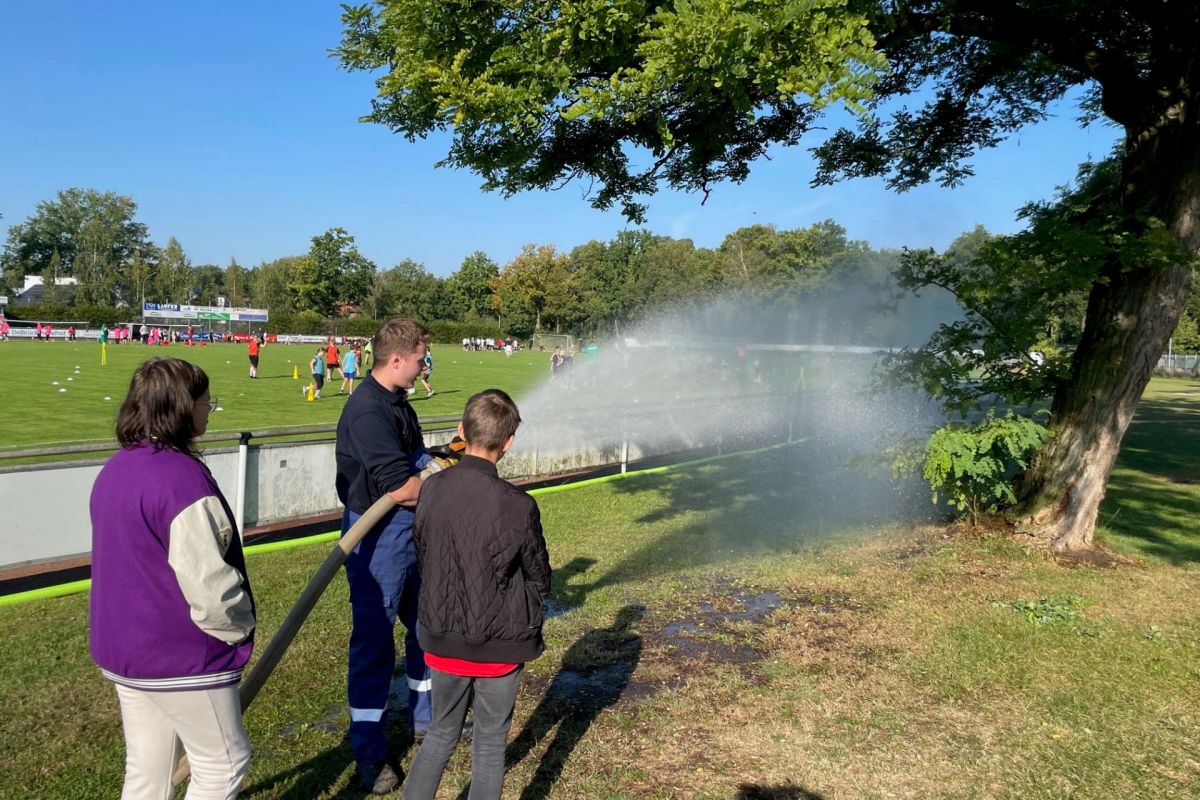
223,314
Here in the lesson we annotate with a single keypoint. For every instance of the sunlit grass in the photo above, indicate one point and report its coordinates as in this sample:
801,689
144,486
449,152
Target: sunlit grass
894,660
33,412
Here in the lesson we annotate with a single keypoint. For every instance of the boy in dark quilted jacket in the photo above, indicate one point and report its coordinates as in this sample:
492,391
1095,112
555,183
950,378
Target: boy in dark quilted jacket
485,573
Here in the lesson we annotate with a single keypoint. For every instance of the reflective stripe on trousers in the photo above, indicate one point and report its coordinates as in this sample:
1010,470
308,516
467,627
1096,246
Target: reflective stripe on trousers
384,585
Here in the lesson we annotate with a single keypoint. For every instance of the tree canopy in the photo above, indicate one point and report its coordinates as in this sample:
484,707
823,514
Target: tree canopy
631,95
86,234
541,92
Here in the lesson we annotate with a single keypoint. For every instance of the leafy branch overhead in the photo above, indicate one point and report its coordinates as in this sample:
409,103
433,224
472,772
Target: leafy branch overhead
623,93
1023,295
627,95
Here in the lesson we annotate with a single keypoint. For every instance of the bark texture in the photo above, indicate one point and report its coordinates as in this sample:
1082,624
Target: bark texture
1128,323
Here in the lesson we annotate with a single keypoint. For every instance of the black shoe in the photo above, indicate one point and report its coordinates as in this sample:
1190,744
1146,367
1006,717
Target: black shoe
378,777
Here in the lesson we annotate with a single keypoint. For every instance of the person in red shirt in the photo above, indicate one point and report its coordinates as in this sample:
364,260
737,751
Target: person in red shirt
253,347
479,619
332,357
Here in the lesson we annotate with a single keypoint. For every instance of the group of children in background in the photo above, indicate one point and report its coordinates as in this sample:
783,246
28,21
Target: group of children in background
357,360
327,358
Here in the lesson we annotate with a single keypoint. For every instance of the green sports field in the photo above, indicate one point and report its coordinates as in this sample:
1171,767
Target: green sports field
34,412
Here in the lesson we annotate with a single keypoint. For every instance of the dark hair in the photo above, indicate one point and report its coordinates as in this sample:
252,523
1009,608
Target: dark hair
398,335
158,409
489,418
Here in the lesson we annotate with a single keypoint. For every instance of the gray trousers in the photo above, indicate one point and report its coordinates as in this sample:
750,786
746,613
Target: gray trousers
493,705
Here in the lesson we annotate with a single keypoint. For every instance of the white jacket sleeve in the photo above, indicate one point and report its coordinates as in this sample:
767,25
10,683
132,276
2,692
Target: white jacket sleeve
200,536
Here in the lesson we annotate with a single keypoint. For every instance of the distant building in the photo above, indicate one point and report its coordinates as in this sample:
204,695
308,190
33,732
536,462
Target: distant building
35,289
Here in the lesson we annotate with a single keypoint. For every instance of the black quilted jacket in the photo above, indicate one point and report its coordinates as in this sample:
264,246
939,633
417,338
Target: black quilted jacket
484,566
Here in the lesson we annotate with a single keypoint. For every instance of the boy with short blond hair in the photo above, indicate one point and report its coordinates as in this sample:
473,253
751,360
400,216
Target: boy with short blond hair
485,574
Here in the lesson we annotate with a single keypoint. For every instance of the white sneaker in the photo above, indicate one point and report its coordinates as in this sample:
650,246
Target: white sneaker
412,390
429,393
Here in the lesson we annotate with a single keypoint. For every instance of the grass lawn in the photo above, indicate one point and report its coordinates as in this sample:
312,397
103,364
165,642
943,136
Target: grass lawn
750,629
1153,500
33,412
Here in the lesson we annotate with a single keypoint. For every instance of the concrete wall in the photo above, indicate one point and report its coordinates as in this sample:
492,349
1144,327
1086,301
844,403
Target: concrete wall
45,508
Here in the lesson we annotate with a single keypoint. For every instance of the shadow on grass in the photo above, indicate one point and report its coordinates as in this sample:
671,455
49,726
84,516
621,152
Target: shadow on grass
311,778
564,593
748,791
1153,519
784,501
595,671
1153,494
317,776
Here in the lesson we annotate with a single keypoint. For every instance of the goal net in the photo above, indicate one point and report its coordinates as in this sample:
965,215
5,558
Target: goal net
549,341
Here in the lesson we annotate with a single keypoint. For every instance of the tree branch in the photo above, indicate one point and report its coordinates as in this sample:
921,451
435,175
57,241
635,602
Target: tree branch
1010,24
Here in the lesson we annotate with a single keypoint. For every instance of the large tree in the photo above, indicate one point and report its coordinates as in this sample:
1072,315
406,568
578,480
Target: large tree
410,290
236,285
631,94
533,291
333,272
608,277
470,286
95,235
172,283
270,287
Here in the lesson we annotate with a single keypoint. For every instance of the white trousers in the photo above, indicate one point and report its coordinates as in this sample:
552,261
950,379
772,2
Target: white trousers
207,722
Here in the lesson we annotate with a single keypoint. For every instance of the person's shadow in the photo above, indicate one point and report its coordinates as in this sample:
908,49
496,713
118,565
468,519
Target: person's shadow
595,671
311,778
565,595
747,791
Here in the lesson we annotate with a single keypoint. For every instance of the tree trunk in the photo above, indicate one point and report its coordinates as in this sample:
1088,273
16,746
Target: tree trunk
1127,326
1132,311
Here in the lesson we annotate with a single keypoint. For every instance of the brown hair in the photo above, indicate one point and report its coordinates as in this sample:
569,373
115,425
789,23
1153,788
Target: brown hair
162,395
398,335
489,418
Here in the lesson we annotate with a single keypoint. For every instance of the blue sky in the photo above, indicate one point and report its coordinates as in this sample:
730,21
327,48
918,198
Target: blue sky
234,132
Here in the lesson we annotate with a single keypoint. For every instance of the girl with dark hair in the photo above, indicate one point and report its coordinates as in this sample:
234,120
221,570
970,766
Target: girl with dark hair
172,616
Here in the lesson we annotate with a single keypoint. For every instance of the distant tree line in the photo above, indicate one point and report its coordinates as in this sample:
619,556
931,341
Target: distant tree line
597,289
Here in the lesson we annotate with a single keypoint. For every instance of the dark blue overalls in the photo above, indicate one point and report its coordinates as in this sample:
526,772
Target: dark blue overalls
384,586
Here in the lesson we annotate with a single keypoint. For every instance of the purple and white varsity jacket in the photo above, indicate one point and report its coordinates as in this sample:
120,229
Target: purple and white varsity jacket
171,607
